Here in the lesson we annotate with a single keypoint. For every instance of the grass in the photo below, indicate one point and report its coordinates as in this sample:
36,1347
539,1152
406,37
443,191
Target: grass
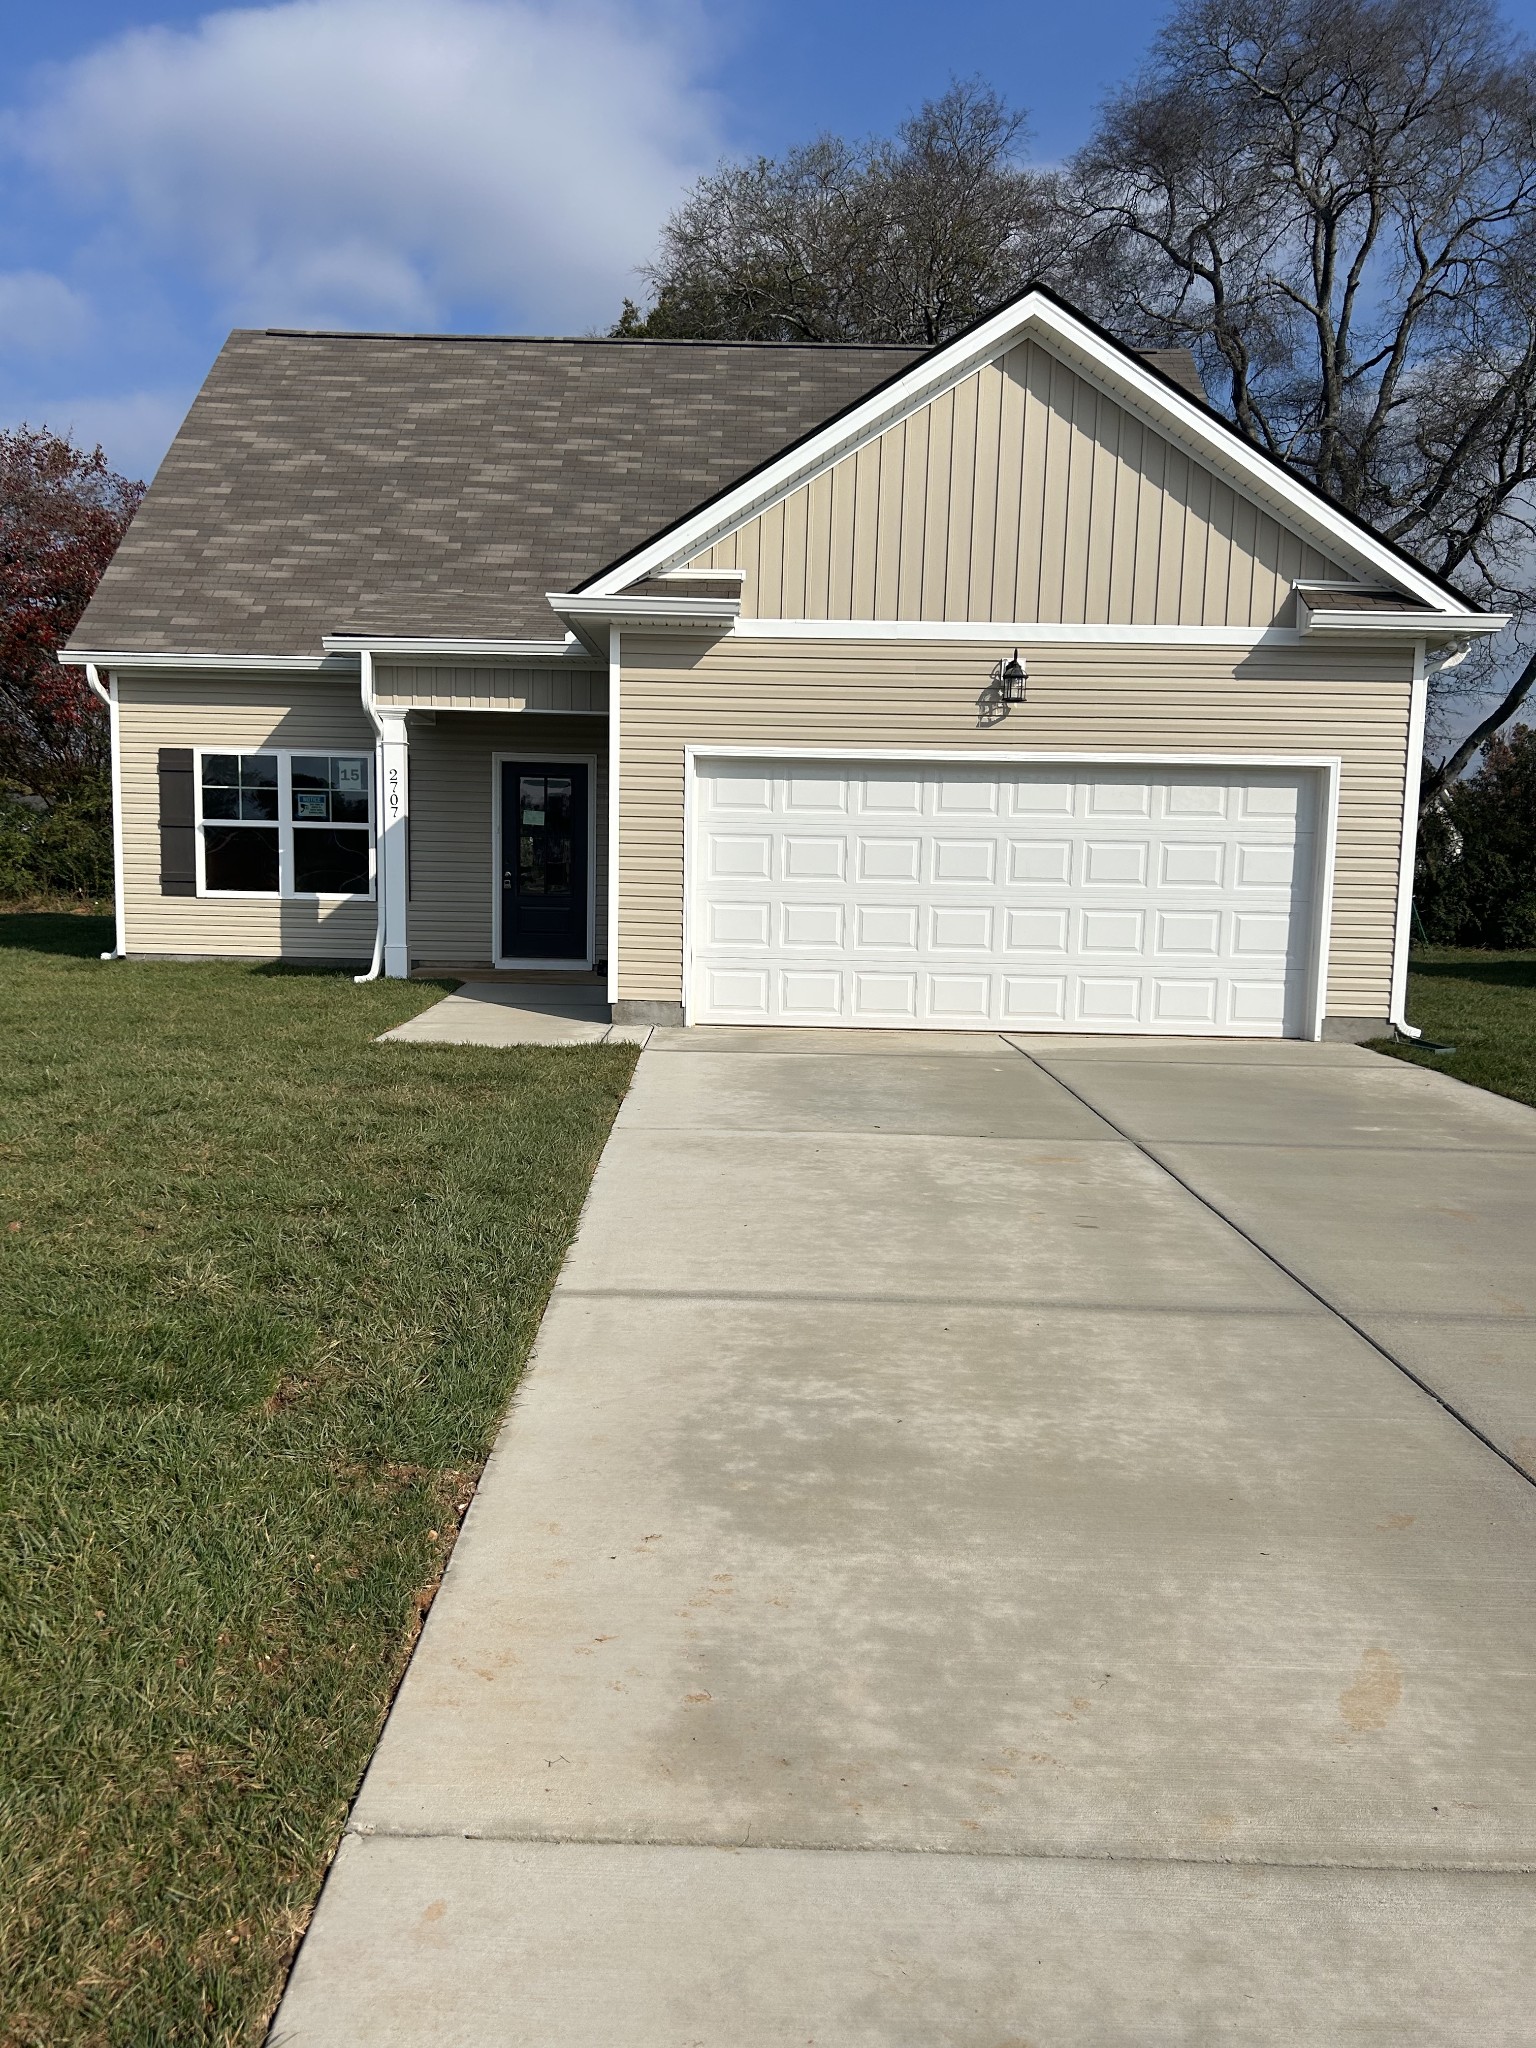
1482,1004
264,1289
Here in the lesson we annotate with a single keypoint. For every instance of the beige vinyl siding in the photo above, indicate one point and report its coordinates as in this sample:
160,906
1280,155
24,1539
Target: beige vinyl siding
456,687
1024,493
452,812
1123,700
218,712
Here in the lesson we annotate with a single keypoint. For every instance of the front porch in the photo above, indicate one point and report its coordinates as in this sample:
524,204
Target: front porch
502,820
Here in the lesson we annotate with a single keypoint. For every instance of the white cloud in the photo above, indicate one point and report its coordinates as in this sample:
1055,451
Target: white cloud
134,428
40,314
353,161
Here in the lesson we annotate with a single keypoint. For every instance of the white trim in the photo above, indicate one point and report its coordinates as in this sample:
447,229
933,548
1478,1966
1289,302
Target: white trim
1319,625
533,652
108,697
284,825
370,710
1407,847
692,575
1322,900
307,663
1328,766
1017,632
615,672
394,813
1130,382
563,755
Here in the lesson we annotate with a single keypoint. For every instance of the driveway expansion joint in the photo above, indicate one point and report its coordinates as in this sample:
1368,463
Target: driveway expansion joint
1148,1152
788,1846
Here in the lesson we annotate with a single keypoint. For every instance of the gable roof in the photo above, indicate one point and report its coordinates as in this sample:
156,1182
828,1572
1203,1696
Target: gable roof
439,485
1156,383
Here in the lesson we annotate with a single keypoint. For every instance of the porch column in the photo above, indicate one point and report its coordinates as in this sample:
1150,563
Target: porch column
394,824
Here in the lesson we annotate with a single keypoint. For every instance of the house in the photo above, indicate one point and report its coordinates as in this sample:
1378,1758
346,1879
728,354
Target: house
997,685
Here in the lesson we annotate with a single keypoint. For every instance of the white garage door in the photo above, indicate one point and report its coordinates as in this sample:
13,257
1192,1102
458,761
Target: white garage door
1076,897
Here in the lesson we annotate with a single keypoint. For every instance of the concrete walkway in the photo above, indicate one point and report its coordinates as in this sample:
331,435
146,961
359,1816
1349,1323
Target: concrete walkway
532,1012
969,1564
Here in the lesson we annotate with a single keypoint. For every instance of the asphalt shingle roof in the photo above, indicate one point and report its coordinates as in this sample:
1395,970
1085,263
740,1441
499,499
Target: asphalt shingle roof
432,484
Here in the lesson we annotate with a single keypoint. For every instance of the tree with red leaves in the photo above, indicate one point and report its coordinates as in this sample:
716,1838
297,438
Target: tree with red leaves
62,514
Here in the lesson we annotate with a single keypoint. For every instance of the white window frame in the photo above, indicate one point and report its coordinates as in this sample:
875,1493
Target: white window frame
286,827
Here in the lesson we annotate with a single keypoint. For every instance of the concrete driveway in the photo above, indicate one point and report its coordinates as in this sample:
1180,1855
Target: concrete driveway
1002,1543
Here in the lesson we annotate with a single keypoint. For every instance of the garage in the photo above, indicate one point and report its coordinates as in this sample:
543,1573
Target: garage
1041,895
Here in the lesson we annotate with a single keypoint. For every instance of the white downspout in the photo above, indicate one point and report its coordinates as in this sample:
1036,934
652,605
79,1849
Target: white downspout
615,671
108,697
377,962
1417,708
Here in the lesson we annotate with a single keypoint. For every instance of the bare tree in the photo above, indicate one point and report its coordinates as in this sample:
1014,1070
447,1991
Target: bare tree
890,240
1333,202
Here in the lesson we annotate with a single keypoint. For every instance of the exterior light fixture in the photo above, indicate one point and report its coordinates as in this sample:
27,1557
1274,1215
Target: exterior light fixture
1011,679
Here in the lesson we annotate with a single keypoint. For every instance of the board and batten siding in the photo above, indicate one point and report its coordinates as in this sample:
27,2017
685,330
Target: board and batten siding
457,687
1023,493
1135,701
452,823
319,715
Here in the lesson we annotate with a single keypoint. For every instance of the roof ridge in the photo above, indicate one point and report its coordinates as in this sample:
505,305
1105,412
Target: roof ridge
575,340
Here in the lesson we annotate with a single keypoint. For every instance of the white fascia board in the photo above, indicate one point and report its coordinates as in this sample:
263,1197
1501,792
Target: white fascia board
425,646
311,663
1128,380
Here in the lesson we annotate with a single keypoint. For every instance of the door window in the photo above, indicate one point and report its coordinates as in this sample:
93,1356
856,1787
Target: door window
544,838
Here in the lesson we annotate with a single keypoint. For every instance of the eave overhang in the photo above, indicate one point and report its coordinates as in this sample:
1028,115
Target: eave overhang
592,617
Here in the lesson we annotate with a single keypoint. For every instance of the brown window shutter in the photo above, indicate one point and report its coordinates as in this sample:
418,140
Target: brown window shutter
178,823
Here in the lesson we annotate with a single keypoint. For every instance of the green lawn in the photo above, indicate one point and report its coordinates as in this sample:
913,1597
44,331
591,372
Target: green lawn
266,1286
1483,1004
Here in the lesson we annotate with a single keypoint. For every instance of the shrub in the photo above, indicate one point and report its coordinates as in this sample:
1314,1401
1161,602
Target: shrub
1476,878
63,848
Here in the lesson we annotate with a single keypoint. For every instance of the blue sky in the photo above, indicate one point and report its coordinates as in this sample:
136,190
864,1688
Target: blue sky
168,171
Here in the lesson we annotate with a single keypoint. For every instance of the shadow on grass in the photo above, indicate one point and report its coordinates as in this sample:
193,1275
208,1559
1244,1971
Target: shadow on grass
82,936
1499,970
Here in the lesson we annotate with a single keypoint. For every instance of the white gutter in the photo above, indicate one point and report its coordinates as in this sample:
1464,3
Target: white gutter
586,615
425,647
377,962
136,658
108,697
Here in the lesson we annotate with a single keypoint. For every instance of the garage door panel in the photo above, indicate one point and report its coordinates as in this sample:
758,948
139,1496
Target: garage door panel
1140,900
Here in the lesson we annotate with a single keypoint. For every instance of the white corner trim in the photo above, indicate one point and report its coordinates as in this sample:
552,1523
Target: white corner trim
1407,849
1128,380
1329,766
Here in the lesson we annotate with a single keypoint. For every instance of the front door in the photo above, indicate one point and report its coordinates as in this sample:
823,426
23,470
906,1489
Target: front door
544,860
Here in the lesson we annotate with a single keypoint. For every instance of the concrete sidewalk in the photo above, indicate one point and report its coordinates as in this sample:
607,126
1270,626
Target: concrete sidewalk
532,1012
941,1582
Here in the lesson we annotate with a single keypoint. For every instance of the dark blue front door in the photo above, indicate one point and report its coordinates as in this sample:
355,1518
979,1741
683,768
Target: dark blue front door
543,860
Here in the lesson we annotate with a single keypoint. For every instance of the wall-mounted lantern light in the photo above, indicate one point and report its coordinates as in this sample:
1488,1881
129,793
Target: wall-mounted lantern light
1011,678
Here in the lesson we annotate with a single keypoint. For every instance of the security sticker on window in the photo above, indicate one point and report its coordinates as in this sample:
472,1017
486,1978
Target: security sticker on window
308,803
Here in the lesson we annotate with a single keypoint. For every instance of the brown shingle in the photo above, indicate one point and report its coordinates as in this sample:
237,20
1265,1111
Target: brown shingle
440,484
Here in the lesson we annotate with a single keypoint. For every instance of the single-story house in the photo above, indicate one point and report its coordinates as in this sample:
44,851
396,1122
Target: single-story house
1001,684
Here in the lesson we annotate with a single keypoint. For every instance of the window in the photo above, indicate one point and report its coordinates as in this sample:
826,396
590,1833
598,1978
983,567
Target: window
286,824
